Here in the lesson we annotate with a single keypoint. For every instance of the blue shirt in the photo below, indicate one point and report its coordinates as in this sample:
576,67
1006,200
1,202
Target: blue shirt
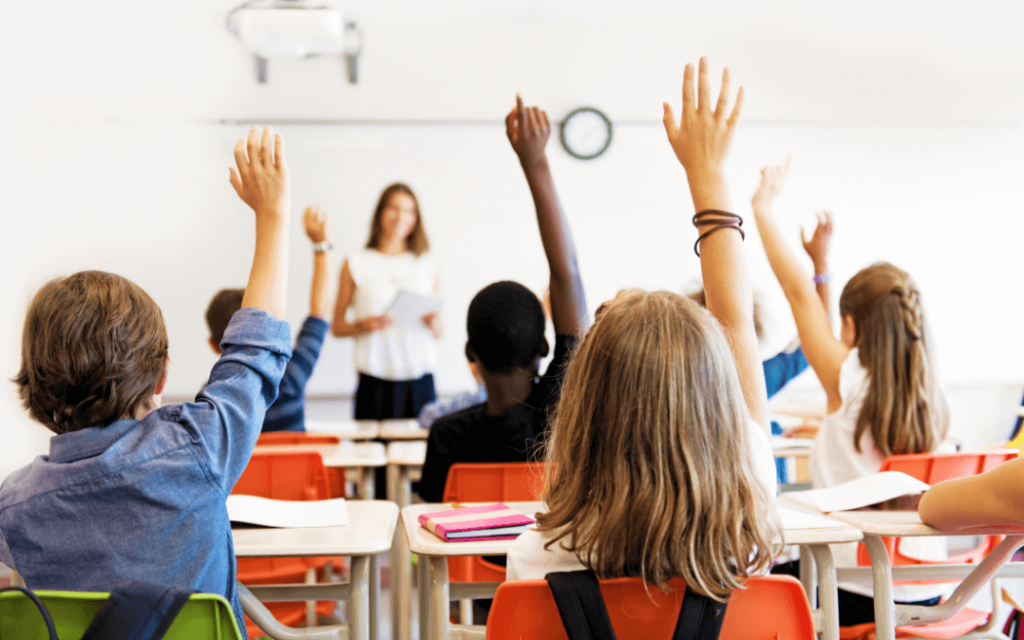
145,500
288,411
778,371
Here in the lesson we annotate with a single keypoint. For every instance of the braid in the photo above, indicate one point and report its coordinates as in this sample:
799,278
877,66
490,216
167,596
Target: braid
911,304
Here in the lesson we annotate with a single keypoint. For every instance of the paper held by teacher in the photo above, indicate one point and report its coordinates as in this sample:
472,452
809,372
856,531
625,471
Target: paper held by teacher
408,309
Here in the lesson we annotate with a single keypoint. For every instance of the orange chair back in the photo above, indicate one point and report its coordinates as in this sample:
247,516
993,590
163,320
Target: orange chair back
489,482
769,607
296,437
936,467
494,482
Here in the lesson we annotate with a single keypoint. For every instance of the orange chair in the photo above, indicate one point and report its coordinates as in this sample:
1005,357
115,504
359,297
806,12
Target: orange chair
335,475
768,607
298,475
931,468
489,482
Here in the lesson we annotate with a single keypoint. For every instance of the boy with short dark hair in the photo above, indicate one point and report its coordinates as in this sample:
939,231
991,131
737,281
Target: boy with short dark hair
505,326
131,490
288,411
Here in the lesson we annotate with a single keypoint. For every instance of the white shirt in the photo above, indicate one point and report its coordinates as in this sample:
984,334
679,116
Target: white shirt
834,460
529,560
396,353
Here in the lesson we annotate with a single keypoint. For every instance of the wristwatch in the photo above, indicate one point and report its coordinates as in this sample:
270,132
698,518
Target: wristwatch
322,247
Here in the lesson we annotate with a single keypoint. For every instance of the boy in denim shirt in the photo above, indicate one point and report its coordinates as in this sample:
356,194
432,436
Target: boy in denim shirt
132,490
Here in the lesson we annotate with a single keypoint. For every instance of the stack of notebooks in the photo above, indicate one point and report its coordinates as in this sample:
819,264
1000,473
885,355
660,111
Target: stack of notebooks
487,522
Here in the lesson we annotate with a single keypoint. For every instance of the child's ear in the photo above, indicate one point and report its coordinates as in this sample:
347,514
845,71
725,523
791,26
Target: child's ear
214,346
545,349
159,389
471,355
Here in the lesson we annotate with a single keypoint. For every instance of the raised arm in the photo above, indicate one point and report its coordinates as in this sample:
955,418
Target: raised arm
992,498
701,140
528,130
817,249
315,220
262,181
823,351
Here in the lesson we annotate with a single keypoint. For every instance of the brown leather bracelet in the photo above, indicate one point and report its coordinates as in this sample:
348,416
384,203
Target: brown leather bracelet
696,245
698,218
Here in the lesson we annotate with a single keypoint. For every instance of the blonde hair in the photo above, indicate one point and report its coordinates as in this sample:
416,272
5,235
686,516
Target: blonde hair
904,407
648,464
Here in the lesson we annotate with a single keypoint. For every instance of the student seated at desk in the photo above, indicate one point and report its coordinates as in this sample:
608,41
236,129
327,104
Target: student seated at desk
880,381
131,490
505,326
288,412
658,462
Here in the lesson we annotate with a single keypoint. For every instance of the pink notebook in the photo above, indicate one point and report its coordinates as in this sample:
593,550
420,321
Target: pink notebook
487,522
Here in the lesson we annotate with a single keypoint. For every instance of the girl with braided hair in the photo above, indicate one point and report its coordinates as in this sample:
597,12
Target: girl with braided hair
879,377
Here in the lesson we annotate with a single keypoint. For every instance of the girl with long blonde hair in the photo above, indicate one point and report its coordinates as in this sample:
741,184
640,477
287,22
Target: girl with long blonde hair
658,460
879,378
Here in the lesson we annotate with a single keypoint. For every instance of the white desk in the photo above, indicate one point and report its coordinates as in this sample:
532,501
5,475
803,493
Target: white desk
345,429
358,457
371,529
402,430
434,553
403,457
876,524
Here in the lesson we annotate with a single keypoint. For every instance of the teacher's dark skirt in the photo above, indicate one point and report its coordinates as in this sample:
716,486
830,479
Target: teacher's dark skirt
378,399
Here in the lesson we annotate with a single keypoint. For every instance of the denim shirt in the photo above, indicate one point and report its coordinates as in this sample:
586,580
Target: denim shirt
145,500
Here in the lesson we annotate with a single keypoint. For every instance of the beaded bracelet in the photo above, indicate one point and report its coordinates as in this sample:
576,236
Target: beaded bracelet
822,278
722,220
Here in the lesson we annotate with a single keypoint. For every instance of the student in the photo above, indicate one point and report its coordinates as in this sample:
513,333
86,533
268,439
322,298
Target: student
288,411
505,326
992,498
131,490
658,460
879,379
443,407
395,364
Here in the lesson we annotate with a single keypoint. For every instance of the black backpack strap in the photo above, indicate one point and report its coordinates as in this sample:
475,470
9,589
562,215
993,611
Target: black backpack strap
700,617
137,611
580,605
42,609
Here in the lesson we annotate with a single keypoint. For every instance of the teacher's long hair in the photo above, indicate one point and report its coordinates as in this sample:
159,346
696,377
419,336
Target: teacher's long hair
417,241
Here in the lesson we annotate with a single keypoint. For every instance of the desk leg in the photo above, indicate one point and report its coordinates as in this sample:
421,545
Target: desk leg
828,589
440,628
358,604
807,576
374,595
365,489
424,592
885,609
401,563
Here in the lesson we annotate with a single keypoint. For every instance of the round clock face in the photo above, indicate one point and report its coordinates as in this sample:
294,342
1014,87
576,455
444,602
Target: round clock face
586,133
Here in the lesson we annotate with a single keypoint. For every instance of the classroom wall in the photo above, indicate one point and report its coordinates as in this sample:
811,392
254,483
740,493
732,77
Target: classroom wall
905,121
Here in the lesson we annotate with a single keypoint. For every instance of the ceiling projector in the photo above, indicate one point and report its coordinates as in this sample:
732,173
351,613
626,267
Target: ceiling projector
294,29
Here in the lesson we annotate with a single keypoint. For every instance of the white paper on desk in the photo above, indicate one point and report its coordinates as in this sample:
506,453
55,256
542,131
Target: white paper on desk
287,514
409,308
858,493
798,518
782,442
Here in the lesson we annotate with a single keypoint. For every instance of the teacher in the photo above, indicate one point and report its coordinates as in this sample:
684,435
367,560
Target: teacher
394,363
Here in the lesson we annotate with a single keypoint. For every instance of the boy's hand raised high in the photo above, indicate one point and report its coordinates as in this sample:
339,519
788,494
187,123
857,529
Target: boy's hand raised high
262,181
528,130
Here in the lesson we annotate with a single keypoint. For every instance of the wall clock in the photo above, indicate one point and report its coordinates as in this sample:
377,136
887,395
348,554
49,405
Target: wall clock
586,133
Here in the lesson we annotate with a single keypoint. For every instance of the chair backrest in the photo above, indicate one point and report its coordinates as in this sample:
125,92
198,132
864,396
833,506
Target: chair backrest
296,437
205,615
292,475
936,467
494,482
769,607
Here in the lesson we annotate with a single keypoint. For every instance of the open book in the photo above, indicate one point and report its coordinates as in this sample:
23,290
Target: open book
284,514
487,522
858,493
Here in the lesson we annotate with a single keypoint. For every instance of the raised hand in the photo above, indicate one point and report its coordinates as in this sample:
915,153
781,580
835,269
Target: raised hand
528,130
817,246
773,179
315,221
702,136
261,178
